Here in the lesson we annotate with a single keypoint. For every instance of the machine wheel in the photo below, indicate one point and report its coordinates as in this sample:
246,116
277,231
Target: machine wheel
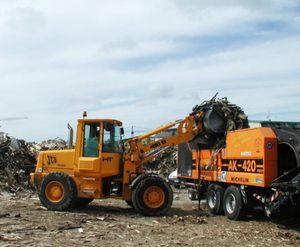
129,203
214,199
81,202
58,191
192,194
152,197
233,203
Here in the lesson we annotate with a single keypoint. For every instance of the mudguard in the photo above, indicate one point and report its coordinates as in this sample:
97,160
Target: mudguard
290,137
139,178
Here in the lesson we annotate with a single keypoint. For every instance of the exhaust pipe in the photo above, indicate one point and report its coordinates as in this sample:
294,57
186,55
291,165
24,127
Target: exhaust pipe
70,137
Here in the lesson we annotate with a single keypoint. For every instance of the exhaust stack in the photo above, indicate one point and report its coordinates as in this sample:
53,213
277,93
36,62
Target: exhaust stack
70,137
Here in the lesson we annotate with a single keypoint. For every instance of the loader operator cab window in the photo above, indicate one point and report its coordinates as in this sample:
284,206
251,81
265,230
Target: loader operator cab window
111,138
91,140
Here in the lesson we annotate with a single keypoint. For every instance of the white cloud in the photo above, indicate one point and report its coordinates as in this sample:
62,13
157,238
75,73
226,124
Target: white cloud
144,62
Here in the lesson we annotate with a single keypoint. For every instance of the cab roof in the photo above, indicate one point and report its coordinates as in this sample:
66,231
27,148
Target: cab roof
97,120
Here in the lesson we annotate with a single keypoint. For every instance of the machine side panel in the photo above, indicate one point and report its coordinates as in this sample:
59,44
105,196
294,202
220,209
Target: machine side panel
250,158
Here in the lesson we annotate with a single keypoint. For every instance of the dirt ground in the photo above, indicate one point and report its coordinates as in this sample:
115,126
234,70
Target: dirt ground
24,222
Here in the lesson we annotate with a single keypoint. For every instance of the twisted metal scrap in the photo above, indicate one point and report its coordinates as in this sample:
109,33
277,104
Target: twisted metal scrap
18,159
235,116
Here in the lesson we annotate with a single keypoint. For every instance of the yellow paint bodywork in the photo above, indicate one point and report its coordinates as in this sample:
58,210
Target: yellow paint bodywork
91,173
87,172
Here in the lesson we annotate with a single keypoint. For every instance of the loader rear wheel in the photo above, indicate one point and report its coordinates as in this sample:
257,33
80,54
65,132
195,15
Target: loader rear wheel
214,199
57,192
233,203
152,197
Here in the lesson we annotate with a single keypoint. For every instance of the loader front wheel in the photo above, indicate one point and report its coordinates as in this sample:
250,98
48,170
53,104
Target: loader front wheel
152,197
57,192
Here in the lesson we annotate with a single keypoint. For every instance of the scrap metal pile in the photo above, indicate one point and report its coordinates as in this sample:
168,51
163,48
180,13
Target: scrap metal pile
18,159
220,116
164,163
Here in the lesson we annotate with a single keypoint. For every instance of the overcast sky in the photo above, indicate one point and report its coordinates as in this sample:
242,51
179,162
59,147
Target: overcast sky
144,62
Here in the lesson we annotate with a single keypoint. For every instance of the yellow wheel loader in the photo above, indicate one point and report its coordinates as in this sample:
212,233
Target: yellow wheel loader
101,165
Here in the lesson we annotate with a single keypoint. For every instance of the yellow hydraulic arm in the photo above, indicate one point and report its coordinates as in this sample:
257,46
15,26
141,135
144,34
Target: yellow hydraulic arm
142,148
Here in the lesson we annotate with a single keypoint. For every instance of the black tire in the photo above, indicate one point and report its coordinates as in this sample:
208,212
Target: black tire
233,203
160,190
192,194
66,195
129,203
81,202
214,199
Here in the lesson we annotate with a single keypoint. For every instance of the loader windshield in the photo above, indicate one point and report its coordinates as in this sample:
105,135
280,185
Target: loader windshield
111,138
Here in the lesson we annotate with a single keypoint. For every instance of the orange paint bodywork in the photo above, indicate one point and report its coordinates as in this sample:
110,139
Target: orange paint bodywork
249,158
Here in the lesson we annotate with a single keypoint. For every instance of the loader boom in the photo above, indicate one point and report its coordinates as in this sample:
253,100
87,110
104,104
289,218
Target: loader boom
141,151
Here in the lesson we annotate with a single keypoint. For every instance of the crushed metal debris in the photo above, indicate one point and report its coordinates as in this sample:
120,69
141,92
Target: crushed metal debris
18,159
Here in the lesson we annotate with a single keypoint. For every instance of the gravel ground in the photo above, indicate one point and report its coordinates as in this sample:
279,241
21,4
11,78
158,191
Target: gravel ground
24,222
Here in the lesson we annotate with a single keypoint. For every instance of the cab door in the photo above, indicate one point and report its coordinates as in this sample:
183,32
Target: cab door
111,152
89,158
91,140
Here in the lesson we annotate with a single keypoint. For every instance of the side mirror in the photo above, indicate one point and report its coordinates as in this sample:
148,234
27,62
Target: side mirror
122,131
